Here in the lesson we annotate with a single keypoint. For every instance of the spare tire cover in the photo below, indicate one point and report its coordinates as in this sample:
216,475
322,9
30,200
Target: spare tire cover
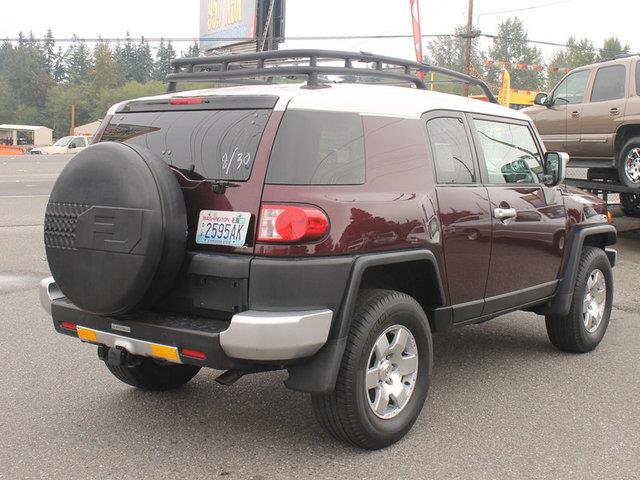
115,228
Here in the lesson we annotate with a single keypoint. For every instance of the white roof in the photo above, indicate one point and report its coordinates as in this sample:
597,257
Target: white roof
7,126
383,100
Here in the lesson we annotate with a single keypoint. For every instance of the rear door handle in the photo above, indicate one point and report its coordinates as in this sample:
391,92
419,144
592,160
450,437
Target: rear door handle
575,114
504,213
614,111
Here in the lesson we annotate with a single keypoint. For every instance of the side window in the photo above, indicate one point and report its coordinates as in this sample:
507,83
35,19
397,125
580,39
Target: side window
76,143
510,152
571,90
609,83
451,150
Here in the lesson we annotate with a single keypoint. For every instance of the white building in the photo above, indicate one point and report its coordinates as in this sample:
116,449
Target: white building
25,135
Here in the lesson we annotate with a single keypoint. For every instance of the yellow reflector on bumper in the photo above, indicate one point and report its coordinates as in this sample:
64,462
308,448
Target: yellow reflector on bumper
86,334
162,351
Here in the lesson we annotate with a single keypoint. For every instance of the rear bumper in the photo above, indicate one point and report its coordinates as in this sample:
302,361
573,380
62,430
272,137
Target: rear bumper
250,336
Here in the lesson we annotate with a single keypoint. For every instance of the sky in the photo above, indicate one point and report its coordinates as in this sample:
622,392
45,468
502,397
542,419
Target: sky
552,20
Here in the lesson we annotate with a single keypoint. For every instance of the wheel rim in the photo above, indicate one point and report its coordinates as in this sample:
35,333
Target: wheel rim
391,373
595,300
632,165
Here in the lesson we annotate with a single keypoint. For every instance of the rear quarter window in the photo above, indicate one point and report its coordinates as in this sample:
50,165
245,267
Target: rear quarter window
318,148
215,144
609,83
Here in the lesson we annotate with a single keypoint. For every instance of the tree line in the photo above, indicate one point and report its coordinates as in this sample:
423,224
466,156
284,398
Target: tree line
39,80
511,44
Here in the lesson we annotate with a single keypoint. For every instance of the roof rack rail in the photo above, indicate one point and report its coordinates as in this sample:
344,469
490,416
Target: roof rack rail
231,68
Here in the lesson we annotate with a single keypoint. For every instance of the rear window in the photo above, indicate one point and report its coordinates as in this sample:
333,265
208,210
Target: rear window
609,83
214,144
318,148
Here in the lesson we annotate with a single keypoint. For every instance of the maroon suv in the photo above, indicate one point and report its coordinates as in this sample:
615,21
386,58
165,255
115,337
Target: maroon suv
326,229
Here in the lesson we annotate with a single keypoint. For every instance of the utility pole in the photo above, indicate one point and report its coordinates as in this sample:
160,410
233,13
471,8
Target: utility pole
72,130
467,53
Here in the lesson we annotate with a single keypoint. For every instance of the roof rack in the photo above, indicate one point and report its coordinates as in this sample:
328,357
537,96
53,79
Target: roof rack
306,63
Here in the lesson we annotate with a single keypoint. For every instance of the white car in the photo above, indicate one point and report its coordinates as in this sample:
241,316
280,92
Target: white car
70,144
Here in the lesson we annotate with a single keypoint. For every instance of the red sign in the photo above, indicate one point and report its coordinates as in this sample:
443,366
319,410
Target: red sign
417,35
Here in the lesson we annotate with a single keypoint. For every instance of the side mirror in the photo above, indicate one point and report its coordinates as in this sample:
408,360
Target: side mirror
541,99
555,168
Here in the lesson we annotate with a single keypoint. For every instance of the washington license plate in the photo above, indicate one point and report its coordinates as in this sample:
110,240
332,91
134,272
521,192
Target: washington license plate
216,227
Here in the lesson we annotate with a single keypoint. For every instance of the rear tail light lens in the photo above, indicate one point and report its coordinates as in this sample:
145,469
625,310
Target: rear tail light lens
186,100
291,223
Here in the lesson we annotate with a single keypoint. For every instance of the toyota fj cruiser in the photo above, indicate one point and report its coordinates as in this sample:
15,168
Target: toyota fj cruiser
326,229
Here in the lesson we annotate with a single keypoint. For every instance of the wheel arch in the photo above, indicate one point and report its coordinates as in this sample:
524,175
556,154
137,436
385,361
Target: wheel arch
599,236
624,133
318,374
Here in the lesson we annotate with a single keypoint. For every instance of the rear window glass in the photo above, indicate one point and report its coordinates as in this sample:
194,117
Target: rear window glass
609,83
214,144
318,148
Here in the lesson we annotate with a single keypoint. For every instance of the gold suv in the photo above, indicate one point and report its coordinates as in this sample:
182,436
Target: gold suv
593,114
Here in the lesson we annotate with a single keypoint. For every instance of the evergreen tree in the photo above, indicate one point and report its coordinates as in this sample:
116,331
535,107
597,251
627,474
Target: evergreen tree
78,61
162,65
59,72
128,58
577,54
511,45
49,49
5,51
106,72
194,50
612,48
144,62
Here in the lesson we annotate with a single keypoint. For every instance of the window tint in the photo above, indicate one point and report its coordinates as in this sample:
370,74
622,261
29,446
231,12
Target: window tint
609,83
571,89
451,151
215,144
510,152
318,148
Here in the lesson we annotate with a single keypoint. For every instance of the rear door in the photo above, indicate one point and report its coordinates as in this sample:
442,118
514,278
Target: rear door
528,218
218,147
604,112
464,211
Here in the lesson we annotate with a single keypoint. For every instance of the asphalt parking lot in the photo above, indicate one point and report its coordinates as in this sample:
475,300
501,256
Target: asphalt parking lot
503,403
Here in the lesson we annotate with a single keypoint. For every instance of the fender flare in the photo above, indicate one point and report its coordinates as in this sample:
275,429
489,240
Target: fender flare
561,303
318,374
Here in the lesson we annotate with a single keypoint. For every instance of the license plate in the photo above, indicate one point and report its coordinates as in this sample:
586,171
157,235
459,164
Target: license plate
216,227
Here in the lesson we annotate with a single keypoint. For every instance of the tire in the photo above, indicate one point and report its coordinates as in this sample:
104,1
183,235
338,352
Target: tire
630,204
569,333
148,374
629,164
347,413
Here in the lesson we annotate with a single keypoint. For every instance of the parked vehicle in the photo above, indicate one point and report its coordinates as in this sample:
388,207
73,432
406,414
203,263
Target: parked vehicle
70,144
593,114
325,229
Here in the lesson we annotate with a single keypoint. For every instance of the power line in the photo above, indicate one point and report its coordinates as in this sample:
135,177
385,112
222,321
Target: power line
295,38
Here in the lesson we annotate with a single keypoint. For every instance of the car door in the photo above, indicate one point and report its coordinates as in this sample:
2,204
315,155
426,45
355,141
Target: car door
568,97
528,218
464,212
604,112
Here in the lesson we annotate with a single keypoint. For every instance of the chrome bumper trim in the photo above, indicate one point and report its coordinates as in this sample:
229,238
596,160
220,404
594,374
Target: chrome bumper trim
49,292
272,336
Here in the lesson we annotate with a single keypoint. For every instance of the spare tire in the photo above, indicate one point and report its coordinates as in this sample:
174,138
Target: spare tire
115,229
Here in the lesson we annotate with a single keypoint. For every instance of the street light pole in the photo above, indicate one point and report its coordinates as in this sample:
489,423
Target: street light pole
467,53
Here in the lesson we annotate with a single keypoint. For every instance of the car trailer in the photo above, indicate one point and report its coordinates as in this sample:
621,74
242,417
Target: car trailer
605,182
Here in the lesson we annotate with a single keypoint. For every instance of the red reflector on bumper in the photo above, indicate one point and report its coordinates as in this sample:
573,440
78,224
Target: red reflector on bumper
68,326
185,352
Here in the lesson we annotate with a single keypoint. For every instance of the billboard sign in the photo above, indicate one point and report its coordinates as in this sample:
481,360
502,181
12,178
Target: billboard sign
221,20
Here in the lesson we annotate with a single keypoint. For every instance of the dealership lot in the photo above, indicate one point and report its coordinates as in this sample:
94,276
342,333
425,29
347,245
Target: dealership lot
503,402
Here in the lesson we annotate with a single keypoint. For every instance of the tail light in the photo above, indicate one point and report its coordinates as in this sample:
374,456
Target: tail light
68,326
291,223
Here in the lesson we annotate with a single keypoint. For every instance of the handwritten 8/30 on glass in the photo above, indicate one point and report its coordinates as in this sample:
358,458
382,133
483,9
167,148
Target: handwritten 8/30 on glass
235,160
